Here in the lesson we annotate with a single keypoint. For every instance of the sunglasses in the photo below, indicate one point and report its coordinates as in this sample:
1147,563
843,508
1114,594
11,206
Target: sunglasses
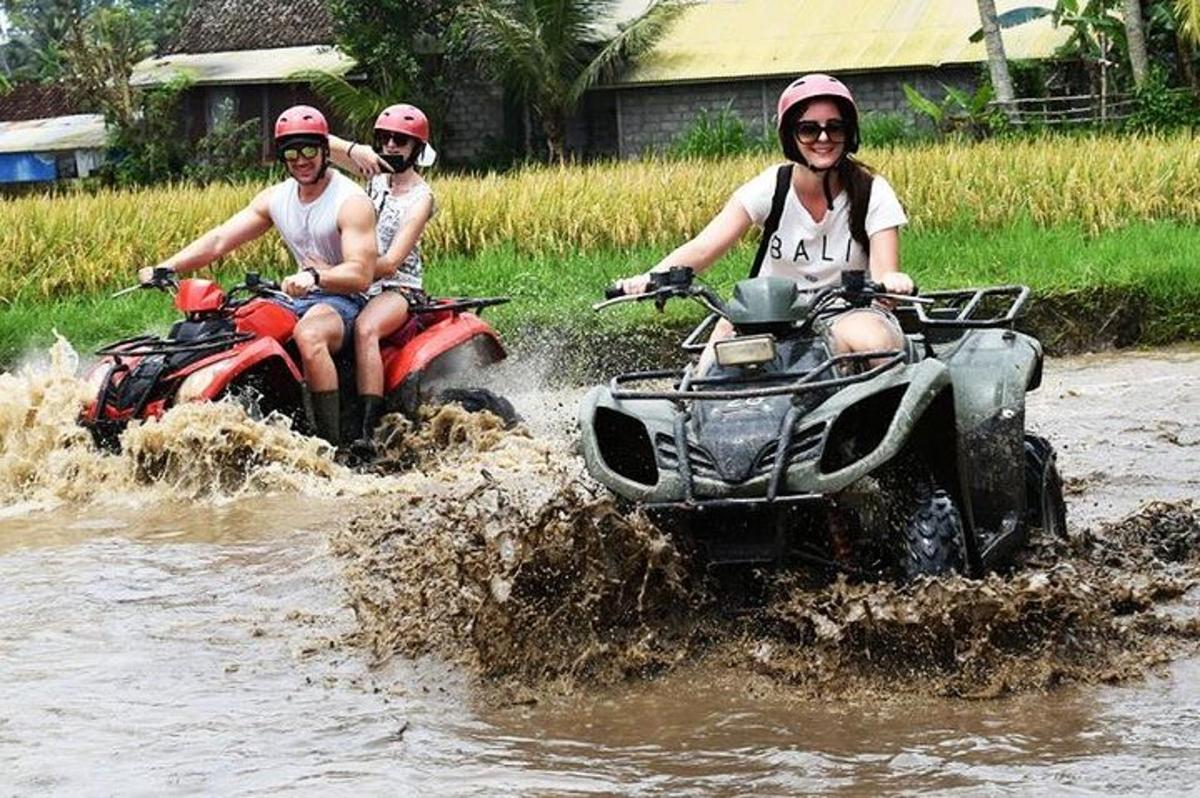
808,131
385,136
295,153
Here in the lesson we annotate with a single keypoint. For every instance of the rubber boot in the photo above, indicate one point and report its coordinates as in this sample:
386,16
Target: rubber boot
372,410
325,417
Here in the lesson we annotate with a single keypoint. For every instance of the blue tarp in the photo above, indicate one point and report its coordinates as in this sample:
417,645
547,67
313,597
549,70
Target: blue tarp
26,167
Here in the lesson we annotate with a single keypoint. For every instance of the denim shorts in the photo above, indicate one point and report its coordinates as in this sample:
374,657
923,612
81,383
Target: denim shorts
347,306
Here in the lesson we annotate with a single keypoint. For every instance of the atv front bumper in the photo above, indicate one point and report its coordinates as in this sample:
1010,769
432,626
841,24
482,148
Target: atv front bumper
630,445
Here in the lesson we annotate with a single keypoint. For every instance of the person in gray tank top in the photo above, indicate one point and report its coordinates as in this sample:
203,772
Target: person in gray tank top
328,224
404,203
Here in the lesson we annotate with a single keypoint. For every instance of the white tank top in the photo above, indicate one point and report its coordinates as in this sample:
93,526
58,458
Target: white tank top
311,229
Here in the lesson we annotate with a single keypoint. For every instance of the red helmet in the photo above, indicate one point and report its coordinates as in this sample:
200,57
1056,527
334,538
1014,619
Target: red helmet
404,118
301,120
799,93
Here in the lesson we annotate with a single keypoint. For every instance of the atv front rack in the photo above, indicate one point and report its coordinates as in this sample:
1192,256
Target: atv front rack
956,309
689,388
144,345
692,388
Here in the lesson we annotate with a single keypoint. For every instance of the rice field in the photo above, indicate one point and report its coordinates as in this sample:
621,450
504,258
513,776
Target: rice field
89,243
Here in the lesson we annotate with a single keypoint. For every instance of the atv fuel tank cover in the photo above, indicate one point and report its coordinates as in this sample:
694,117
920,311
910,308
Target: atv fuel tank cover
767,300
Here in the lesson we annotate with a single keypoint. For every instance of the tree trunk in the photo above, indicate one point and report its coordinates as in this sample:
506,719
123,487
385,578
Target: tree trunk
1135,35
555,130
997,63
1183,49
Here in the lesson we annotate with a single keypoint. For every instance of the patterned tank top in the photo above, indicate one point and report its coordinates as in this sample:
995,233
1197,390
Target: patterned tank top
393,210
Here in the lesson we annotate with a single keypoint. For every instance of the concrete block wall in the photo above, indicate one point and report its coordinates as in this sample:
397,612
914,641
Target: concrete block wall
652,117
475,122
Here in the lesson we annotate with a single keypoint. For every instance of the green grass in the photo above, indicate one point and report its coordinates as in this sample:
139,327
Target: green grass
1155,260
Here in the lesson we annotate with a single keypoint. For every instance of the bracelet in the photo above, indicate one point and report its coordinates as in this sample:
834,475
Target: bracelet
350,149
316,275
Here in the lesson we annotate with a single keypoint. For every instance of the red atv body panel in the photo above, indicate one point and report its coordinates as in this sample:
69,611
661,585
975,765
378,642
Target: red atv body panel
423,338
199,296
265,319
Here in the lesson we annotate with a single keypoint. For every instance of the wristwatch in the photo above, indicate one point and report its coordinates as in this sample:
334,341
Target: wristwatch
316,275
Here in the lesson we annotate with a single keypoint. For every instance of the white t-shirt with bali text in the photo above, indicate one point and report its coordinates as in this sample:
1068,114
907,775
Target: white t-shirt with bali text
814,254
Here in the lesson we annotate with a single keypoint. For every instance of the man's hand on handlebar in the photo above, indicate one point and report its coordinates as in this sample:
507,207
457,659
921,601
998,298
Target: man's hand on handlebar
146,274
299,284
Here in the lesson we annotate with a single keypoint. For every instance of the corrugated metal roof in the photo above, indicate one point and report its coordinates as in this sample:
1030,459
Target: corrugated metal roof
75,132
727,39
241,66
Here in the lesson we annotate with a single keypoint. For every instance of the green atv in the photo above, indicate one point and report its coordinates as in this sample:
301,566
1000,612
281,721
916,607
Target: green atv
906,462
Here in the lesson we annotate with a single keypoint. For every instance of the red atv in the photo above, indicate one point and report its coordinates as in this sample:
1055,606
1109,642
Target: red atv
239,344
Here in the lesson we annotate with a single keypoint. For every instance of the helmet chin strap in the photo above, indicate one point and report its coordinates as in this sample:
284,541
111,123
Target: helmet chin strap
402,163
826,173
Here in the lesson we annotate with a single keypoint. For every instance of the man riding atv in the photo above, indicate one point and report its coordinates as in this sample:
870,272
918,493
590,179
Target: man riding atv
328,224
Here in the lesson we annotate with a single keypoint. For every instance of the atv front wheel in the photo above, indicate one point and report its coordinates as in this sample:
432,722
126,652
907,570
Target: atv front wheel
475,400
1043,488
933,537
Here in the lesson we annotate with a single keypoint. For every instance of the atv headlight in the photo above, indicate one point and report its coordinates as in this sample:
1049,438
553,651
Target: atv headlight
748,351
198,384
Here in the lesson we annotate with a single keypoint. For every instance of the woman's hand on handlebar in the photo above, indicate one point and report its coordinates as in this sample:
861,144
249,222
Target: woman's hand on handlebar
638,284
896,283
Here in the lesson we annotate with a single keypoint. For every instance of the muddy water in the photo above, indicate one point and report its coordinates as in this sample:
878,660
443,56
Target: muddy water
174,620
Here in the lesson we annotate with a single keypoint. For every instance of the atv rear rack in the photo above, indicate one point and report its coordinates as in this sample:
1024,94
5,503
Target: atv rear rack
459,304
955,309
689,387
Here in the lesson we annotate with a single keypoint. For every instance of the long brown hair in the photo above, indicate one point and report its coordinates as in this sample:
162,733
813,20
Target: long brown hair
856,179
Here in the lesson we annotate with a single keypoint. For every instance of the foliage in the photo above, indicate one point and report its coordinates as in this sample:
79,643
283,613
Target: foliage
358,106
231,151
960,112
549,52
1093,184
717,134
45,32
408,50
878,129
150,148
1161,108
101,54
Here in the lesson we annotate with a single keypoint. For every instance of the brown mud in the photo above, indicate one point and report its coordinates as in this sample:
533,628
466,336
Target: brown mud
516,566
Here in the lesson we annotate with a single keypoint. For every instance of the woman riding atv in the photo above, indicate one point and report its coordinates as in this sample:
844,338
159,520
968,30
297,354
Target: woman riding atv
404,204
829,215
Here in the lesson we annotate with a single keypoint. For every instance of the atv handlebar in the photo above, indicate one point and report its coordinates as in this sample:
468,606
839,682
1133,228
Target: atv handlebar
163,278
855,289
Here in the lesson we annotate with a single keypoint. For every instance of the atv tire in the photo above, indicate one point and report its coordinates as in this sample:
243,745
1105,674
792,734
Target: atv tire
933,538
1046,508
476,400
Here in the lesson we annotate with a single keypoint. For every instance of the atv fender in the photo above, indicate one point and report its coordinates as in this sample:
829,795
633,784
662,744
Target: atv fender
992,370
227,366
437,356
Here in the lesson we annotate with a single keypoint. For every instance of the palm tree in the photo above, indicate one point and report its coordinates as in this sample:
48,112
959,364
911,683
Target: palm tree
1188,14
549,52
997,63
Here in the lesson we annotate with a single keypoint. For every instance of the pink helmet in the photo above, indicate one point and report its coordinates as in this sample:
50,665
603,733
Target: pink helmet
404,118
798,94
301,120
